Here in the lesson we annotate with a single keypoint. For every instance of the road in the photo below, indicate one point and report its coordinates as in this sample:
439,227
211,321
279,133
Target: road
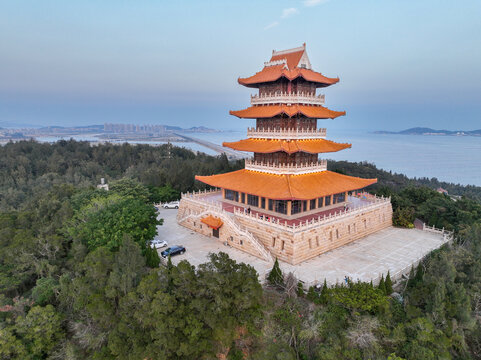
231,154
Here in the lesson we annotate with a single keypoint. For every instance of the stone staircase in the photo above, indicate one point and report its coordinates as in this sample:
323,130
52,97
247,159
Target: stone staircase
230,221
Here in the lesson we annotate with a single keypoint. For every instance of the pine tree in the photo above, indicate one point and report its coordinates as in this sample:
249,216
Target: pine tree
419,274
170,280
152,258
275,276
324,297
382,285
388,284
300,289
312,295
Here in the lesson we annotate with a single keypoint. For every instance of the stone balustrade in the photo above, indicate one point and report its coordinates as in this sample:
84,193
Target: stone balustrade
378,202
375,202
288,98
293,169
271,236
286,133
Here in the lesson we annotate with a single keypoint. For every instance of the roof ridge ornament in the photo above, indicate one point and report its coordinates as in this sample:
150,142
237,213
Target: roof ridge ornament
288,51
277,62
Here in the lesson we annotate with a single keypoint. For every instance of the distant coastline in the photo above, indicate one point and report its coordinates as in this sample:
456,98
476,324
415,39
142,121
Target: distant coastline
105,132
431,132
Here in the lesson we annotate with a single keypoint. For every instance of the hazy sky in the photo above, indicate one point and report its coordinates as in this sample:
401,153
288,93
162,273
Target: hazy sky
402,63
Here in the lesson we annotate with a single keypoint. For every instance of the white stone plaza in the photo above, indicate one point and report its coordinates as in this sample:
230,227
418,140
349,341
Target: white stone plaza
392,249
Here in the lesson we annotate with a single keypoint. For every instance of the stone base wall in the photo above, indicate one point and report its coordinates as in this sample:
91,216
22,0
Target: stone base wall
297,246
190,215
292,245
347,229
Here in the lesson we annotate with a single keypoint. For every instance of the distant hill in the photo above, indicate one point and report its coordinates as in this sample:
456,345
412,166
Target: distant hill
429,131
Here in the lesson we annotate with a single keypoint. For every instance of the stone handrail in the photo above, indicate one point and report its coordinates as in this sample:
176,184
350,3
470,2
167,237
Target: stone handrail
286,134
282,224
243,231
321,165
447,235
288,98
308,224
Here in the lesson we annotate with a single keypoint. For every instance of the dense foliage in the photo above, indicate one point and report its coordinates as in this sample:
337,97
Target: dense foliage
78,279
28,168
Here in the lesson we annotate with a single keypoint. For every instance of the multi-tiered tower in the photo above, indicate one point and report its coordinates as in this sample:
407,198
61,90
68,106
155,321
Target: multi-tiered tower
285,180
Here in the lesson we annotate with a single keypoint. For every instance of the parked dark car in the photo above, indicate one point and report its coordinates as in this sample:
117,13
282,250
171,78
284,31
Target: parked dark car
173,250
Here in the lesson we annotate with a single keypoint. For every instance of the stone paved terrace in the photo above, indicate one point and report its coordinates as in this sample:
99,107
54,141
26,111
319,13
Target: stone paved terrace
365,259
354,202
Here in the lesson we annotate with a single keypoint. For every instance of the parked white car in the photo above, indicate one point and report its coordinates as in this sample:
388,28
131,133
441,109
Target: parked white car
171,205
157,244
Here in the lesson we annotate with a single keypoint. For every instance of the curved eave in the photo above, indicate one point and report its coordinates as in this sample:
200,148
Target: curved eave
212,222
269,111
274,73
264,146
286,187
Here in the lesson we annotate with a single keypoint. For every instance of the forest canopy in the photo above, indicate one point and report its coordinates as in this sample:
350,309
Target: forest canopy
78,279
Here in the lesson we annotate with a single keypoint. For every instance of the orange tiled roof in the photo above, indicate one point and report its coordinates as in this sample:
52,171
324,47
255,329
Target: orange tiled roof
268,111
292,58
212,222
286,187
273,73
313,146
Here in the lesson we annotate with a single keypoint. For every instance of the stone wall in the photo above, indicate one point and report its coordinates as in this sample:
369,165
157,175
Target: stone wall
295,246
290,244
190,214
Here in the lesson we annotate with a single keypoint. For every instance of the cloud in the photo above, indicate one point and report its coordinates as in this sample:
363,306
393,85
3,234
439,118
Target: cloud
289,12
286,13
271,25
314,2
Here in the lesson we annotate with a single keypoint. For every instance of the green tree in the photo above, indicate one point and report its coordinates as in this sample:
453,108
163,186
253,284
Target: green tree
382,285
300,289
324,296
152,258
403,217
44,292
359,297
163,194
40,330
388,284
312,295
275,277
130,188
11,347
192,318
127,270
105,221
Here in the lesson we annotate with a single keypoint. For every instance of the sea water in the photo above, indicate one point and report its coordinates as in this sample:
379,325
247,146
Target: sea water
455,159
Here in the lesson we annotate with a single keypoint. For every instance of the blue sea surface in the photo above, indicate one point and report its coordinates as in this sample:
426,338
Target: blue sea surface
455,159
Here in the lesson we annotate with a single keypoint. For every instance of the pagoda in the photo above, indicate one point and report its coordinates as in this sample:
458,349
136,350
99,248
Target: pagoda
285,186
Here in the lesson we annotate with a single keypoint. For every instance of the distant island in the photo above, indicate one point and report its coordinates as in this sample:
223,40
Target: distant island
429,131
